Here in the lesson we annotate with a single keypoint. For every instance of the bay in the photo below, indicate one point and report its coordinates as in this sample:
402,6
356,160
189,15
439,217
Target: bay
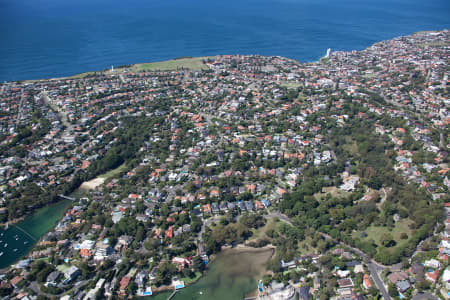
233,274
24,235
53,38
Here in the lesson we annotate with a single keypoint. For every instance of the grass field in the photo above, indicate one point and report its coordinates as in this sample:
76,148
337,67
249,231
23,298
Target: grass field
195,63
188,280
261,232
334,191
376,232
62,267
113,172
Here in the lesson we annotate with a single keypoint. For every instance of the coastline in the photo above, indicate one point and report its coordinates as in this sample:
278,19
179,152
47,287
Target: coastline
29,218
238,249
164,65
13,221
177,62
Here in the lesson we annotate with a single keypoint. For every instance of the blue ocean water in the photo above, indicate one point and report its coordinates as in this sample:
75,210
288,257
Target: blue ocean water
50,38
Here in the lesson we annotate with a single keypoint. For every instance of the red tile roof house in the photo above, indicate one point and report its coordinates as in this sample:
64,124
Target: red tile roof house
124,283
432,276
366,281
207,208
15,281
346,282
169,232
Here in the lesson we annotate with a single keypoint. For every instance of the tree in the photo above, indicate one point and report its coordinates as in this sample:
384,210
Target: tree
392,290
198,264
165,272
387,239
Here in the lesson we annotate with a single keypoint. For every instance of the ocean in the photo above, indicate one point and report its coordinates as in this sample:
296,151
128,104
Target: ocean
53,38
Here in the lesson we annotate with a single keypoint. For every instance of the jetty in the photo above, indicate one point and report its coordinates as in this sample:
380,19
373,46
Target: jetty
66,197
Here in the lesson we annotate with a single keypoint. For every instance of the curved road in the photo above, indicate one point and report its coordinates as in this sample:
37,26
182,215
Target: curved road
374,267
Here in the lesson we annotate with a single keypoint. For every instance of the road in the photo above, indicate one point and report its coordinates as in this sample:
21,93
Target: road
374,267
62,114
282,217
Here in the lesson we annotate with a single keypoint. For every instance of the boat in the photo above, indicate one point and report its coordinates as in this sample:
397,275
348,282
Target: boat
26,242
6,245
15,250
1,253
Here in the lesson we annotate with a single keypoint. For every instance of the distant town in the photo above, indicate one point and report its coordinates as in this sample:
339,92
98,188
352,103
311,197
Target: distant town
340,166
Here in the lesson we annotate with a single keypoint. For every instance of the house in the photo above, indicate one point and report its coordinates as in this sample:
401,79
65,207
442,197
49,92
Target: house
223,207
186,228
125,240
214,208
259,205
71,274
366,281
169,232
446,278
231,205
403,286
197,212
397,276
124,282
343,273
358,269
15,281
288,265
52,278
103,251
206,209
117,216
249,206
345,283
432,276
181,262
432,263
417,269
265,202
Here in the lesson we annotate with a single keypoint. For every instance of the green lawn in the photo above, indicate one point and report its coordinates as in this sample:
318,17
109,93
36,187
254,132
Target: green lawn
334,191
195,63
113,172
62,268
261,232
376,232
188,280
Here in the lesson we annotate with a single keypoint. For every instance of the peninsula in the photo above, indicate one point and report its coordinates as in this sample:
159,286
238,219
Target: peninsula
340,166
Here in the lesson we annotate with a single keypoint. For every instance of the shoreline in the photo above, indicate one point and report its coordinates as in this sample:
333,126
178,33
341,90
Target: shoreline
179,58
122,68
37,240
240,248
